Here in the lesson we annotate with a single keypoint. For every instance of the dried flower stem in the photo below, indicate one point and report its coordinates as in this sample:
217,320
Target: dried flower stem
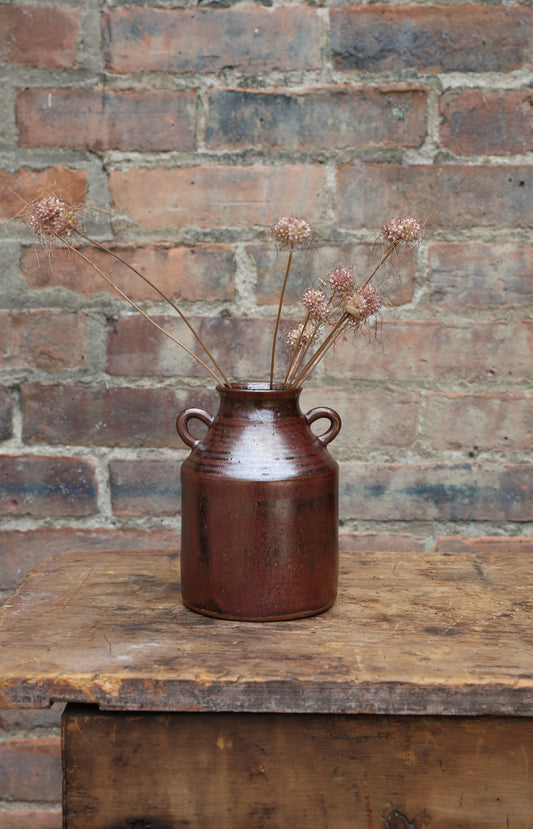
158,291
143,314
381,262
276,328
330,340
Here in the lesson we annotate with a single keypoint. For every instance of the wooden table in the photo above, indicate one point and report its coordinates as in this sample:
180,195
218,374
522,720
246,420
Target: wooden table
409,704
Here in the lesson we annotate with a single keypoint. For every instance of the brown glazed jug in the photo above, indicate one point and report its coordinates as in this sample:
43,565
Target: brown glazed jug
259,537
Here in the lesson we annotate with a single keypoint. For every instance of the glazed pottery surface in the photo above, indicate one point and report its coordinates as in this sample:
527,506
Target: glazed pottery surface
259,537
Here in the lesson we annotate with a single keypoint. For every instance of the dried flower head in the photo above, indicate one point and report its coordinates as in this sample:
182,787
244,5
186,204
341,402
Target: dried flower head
290,231
372,299
401,229
316,304
340,280
52,217
301,335
355,305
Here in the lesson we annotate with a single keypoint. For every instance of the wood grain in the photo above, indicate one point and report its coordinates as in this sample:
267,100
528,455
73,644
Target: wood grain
411,633
272,771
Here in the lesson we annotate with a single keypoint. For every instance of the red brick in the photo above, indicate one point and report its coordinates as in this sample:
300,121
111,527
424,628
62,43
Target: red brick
107,119
47,486
217,195
477,274
136,348
5,414
29,720
192,273
39,36
22,550
396,279
242,347
484,122
145,487
332,117
440,352
244,39
395,542
436,492
19,190
86,415
30,769
47,340
506,545
36,819
445,38
480,422
452,196
390,420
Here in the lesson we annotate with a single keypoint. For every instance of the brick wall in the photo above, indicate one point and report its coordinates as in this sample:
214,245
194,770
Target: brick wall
189,129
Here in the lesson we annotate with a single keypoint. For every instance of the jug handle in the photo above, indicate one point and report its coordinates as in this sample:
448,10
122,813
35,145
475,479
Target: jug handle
329,414
182,423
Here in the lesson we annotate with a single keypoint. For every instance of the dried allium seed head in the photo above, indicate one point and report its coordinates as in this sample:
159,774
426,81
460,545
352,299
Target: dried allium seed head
316,304
355,305
340,280
299,335
401,229
52,217
372,299
290,231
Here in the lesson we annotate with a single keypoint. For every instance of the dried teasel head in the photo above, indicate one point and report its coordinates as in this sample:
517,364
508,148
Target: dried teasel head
401,229
291,230
52,217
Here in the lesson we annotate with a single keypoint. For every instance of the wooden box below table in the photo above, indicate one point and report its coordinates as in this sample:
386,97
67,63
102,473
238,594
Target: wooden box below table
305,771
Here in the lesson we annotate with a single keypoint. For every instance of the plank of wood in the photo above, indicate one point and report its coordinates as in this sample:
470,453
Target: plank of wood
236,771
411,633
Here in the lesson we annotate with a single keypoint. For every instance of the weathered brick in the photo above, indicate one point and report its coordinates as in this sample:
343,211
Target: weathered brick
86,415
395,542
103,119
331,117
39,36
396,278
47,486
241,346
20,818
145,487
440,38
19,190
439,352
372,419
30,769
217,195
436,492
28,719
191,273
506,545
485,122
452,196
478,274
136,348
5,414
47,340
480,422
22,550
244,39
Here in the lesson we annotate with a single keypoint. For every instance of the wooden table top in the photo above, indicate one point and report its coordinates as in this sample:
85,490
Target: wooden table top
411,633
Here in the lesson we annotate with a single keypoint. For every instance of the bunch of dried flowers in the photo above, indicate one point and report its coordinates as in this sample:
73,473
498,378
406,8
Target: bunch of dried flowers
339,306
